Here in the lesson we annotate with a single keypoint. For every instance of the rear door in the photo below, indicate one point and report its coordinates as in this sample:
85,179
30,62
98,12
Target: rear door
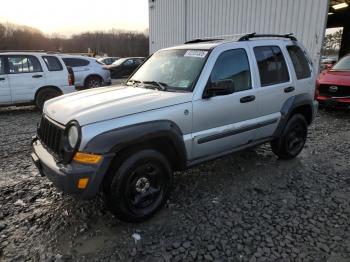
26,76
5,92
275,84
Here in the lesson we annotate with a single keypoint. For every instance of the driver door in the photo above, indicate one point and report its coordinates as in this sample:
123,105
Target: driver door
224,122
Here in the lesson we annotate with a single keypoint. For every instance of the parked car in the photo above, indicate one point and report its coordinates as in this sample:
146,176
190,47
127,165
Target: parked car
88,72
32,78
185,105
125,66
333,84
108,60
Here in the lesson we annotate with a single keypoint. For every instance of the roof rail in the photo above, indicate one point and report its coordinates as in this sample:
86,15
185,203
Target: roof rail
203,40
215,38
255,35
27,51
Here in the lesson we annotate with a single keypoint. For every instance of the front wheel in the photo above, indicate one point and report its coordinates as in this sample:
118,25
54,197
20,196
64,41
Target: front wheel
140,186
293,138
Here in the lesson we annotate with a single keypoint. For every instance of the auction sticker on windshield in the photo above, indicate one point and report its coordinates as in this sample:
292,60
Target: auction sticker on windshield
196,53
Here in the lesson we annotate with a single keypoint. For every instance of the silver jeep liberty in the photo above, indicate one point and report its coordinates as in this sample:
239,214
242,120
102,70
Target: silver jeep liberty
184,105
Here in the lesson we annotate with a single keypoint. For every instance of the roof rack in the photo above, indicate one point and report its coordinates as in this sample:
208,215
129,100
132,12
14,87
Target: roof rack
27,51
255,35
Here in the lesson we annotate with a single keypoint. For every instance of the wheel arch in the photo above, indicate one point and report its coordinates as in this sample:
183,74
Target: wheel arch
47,87
93,75
299,104
162,135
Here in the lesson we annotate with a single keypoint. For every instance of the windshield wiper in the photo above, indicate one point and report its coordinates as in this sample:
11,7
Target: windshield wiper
161,86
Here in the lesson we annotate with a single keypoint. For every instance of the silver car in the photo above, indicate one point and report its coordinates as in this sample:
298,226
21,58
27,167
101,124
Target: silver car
88,71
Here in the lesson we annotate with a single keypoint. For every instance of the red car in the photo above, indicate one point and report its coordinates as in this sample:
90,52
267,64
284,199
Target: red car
333,85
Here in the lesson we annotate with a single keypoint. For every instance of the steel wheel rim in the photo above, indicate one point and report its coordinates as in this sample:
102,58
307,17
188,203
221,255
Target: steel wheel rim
144,189
296,139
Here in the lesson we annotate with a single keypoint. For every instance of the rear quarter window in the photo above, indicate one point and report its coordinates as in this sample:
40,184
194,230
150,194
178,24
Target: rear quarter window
75,62
53,63
300,63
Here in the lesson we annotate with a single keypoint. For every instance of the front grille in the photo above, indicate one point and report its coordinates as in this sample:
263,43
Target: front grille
330,90
50,135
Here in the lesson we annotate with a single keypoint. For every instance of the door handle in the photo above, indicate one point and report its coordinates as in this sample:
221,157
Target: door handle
247,99
2,79
37,76
289,89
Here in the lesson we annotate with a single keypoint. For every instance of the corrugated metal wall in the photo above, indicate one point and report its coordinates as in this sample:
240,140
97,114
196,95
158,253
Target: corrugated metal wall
173,22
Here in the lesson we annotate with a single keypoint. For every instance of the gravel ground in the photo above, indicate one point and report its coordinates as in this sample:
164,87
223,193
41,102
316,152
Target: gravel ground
248,206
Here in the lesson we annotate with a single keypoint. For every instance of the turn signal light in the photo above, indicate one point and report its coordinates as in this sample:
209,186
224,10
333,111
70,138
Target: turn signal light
87,158
82,183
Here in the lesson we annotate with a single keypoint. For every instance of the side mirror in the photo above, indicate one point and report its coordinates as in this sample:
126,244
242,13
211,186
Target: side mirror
219,88
329,66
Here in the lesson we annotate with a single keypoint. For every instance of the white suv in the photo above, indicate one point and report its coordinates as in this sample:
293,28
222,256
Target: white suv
88,71
184,105
32,77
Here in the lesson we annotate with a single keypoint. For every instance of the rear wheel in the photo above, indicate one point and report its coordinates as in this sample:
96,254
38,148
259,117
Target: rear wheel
293,138
93,82
140,186
44,95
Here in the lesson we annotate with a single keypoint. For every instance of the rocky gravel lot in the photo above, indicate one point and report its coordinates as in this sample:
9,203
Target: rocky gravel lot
249,206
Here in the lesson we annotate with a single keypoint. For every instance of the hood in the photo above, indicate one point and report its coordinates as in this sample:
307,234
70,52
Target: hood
335,77
100,104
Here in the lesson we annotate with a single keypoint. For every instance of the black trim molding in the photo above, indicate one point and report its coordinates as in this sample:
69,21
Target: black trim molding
236,131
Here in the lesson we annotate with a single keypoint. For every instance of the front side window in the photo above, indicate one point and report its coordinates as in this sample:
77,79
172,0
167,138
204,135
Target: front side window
75,62
272,65
23,64
343,64
52,63
233,65
176,69
300,63
2,66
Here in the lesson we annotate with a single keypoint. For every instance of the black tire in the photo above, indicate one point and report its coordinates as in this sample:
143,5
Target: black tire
140,186
44,95
93,82
293,138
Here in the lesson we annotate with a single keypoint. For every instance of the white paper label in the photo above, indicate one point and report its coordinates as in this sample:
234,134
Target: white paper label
196,53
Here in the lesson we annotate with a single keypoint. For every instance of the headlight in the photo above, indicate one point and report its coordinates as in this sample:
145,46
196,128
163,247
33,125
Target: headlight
73,136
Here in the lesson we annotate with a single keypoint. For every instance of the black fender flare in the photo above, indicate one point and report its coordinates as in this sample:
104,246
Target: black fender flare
289,106
115,140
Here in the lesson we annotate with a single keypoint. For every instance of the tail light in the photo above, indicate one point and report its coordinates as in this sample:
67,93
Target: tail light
70,76
70,80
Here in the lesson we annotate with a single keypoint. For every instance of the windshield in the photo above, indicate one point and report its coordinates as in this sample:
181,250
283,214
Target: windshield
175,69
118,62
343,64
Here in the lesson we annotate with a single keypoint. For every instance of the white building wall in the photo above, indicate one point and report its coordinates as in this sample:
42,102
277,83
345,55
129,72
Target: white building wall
174,22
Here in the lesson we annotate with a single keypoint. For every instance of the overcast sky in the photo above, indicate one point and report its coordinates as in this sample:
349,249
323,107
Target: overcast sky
74,16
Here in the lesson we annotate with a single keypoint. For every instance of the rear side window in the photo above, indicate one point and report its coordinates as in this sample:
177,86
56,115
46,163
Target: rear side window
2,66
23,64
233,65
75,62
52,63
272,65
301,65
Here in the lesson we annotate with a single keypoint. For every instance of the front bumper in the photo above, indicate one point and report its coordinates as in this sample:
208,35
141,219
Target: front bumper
338,102
66,177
